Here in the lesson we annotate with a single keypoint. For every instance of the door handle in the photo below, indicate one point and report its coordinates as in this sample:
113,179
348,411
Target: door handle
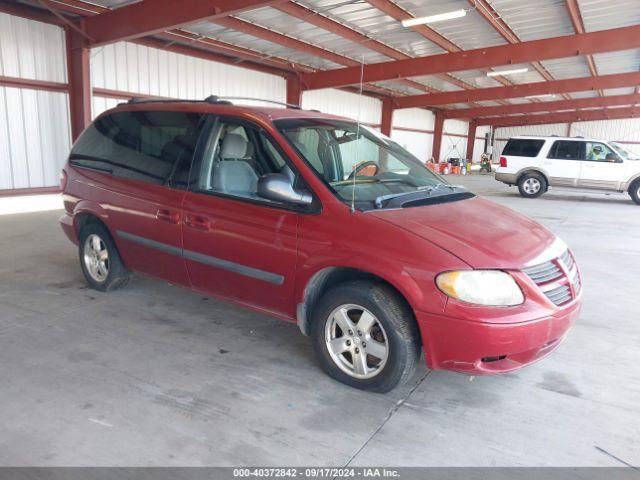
198,222
168,216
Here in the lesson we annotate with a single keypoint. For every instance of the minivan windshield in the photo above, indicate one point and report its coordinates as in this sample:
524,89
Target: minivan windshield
625,153
365,168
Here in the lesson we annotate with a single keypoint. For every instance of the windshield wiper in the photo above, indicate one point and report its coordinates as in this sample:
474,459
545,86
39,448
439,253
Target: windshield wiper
384,198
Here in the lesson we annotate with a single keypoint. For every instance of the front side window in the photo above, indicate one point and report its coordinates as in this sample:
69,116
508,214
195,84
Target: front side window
362,167
154,147
598,152
625,153
237,157
566,150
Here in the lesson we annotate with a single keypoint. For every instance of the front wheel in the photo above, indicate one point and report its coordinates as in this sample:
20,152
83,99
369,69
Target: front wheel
365,336
634,192
532,185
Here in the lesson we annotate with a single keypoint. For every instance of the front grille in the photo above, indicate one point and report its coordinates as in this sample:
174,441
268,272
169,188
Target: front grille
558,279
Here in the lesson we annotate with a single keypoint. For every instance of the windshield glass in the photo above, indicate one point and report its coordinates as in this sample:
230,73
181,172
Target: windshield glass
359,163
625,153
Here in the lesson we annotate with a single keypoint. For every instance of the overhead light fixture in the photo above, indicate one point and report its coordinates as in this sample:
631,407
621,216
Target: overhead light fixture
545,95
513,71
411,22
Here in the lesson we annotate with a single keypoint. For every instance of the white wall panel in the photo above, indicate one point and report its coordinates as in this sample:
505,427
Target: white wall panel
133,68
33,50
414,118
419,144
624,130
345,104
34,137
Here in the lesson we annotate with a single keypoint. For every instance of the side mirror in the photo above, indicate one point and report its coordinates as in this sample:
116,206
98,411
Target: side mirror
612,157
278,187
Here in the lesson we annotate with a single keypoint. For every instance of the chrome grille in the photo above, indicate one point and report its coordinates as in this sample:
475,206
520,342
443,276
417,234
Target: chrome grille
556,278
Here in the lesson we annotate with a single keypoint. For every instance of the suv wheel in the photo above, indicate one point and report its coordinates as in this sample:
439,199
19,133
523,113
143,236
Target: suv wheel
365,336
634,191
532,185
100,260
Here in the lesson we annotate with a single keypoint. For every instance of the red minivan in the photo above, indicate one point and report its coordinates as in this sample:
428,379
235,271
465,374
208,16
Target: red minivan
318,220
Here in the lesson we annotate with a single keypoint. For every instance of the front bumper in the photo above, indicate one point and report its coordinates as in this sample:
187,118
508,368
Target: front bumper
485,348
508,178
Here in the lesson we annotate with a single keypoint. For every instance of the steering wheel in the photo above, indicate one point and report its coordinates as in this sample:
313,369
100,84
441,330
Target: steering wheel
362,166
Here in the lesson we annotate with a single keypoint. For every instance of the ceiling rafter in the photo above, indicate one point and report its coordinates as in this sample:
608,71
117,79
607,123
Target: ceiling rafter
618,80
578,26
623,38
572,104
398,13
563,117
270,35
145,18
493,18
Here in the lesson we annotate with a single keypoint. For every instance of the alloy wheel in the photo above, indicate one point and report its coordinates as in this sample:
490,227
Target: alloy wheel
96,258
356,341
531,186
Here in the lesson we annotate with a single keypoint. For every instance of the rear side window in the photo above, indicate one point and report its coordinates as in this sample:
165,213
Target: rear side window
566,150
523,147
154,147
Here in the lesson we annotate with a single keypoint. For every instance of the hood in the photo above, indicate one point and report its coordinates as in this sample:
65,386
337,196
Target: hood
482,233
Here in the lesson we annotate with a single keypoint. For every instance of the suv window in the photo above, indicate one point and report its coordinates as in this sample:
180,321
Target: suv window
523,147
154,147
597,152
236,158
566,150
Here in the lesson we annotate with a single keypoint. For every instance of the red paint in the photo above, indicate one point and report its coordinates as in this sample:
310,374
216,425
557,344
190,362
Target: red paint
32,84
79,82
563,117
386,124
407,248
437,136
471,139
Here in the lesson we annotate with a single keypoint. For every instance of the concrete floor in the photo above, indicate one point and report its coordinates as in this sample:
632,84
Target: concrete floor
155,375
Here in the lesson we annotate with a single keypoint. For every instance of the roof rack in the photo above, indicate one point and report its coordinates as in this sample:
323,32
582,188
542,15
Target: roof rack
212,99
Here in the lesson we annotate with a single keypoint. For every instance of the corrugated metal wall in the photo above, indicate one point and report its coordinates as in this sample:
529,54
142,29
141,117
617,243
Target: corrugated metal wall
133,68
454,146
34,125
418,143
346,104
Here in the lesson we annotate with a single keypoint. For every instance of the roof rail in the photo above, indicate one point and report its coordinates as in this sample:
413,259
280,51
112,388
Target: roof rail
213,99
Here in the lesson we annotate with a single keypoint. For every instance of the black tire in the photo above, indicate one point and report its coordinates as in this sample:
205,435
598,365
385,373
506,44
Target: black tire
396,318
532,185
117,274
634,192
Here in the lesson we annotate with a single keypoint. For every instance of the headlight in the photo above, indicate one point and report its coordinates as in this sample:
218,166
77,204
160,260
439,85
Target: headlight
481,287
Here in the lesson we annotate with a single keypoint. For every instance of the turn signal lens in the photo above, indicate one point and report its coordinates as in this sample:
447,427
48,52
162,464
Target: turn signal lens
481,287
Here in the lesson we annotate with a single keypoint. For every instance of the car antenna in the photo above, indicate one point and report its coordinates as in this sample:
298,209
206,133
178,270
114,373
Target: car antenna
353,188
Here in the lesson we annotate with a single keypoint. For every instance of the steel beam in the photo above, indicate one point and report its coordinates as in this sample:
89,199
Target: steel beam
578,26
471,139
386,122
546,49
438,131
152,16
602,102
617,80
32,84
78,56
294,92
563,117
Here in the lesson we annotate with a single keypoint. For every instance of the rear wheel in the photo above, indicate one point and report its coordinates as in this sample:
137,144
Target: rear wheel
532,185
634,192
365,336
99,259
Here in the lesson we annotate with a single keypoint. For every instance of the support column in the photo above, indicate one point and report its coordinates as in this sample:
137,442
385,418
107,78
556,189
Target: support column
79,82
569,125
437,136
294,90
471,139
386,122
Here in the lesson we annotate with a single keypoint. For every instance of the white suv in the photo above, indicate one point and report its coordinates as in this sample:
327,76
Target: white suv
535,163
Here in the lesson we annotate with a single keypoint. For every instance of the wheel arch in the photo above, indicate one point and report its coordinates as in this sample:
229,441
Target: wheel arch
531,170
328,277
